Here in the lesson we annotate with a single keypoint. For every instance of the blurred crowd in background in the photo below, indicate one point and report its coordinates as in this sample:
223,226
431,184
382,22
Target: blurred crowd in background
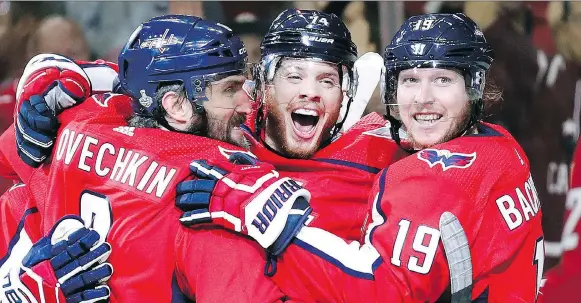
537,61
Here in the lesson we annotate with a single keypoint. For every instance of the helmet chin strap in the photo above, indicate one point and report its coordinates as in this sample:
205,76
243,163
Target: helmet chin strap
394,126
337,128
198,108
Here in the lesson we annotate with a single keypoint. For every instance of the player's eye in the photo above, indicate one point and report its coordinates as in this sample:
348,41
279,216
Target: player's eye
443,80
328,83
231,89
293,78
409,80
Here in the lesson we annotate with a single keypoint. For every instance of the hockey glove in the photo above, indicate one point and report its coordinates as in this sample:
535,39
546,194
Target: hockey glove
68,265
61,81
36,130
49,84
247,196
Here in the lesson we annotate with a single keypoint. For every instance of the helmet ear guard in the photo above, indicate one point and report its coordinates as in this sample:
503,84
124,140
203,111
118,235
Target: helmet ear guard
269,67
387,93
349,80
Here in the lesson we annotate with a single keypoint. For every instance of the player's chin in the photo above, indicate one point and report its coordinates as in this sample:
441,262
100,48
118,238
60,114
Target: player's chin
301,148
305,148
421,140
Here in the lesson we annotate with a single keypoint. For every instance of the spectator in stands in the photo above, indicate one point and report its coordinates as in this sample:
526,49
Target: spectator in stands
4,17
23,19
59,35
26,38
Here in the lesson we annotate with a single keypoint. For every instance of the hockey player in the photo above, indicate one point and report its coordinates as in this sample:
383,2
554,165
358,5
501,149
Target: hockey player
433,87
348,163
306,67
119,178
301,82
47,279
302,74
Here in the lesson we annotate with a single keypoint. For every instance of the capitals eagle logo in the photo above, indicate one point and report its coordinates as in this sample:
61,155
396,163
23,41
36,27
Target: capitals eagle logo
446,158
103,99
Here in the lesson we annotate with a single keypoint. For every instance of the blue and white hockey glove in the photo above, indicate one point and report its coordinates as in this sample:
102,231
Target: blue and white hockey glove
246,196
36,130
68,265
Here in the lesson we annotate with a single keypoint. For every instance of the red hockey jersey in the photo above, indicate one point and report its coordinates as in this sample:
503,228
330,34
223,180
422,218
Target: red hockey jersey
348,165
339,177
7,102
483,179
17,218
121,179
564,280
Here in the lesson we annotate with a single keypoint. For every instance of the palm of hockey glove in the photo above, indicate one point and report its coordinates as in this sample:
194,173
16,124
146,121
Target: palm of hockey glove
68,265
36,130
247,196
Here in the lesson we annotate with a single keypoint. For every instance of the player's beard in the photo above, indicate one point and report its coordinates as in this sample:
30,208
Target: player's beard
458,128
198,126
277,132
223,131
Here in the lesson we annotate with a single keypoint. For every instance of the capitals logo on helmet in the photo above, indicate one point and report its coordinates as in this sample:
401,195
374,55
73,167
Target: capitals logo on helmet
177,49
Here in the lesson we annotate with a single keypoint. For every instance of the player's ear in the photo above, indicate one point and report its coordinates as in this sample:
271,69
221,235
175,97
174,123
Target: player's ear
176,108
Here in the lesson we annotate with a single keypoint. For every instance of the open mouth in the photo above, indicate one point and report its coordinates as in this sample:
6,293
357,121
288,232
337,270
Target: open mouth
427,119
305,122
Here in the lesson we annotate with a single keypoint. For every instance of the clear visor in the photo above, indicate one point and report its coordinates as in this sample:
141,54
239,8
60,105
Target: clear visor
295,72
216,78
289,80
223,90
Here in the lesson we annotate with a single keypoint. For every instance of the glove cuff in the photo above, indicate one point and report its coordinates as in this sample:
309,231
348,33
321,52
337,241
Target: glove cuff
267,214
41,281
296,220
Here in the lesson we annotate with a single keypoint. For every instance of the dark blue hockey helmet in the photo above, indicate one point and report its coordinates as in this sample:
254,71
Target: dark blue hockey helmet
177,48
451,41
308,34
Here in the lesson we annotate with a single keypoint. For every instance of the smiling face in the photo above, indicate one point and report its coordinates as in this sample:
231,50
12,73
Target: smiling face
302,103
433,105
